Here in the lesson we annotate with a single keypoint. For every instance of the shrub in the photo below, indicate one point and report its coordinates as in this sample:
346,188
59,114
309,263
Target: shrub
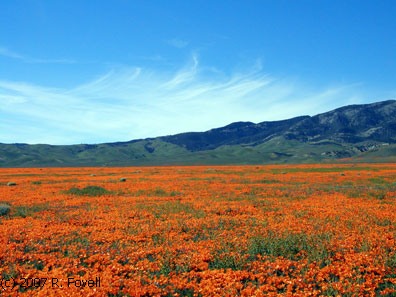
11,184
21,211
4,209
24,211
123,179
160,192
88,191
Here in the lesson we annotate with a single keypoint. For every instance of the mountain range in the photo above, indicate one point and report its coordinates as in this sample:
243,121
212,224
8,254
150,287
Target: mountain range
353,133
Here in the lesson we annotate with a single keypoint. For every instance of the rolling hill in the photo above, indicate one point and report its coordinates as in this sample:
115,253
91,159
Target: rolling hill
354,133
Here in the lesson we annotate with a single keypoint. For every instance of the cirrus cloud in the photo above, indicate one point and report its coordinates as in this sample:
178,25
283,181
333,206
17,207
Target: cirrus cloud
133,102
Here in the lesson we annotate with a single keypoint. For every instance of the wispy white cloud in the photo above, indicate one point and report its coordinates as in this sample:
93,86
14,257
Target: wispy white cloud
134,102
5,52
10,54
184,76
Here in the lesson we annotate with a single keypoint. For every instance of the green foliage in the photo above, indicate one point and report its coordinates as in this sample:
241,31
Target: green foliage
88,191
21,211
186,292
4,209
224,260
269,181
160,192
157,192
291,246
118,294
171,207
25,210
391,261
169,264
74,240
38,265
9,273
288,246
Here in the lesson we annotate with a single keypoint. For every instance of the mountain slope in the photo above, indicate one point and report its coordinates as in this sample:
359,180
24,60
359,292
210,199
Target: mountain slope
357,132
352,124
349,124
235,133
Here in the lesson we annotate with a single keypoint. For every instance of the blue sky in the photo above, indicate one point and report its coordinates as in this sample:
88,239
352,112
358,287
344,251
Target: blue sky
97,71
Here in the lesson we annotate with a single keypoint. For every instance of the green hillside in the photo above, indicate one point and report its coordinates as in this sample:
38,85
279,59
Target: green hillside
356,133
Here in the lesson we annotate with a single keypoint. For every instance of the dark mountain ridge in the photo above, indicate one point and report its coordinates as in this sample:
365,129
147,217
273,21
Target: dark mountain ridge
353,123
235,133
364,132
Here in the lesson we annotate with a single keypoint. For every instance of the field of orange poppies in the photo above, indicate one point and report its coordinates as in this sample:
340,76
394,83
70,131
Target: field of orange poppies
296,230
